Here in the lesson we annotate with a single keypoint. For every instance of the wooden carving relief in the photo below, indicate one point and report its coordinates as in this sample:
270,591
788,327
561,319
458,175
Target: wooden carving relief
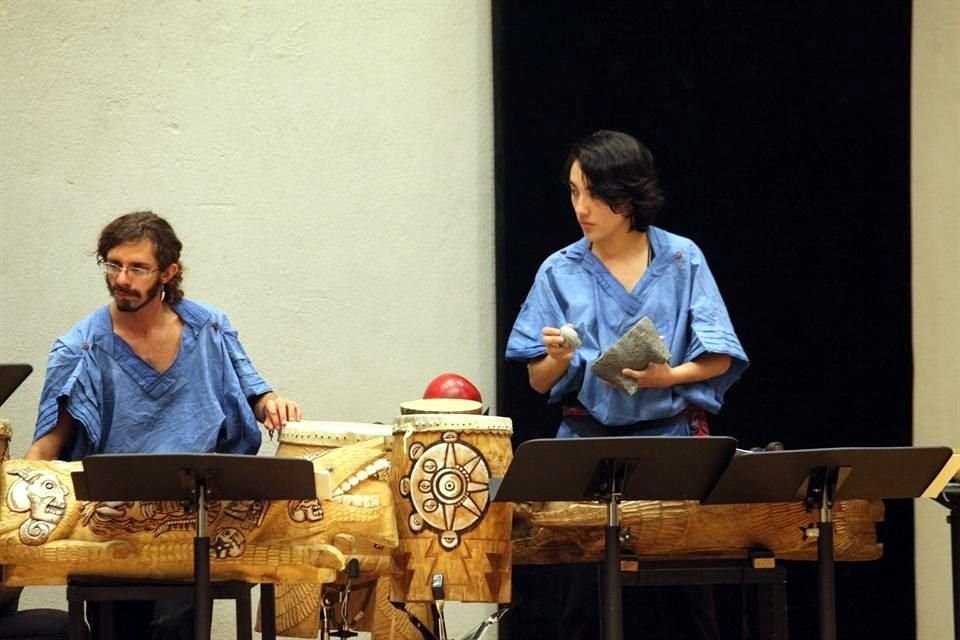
358,457
6,433
405,505
448,487
42,496
46,534
559,532
447,525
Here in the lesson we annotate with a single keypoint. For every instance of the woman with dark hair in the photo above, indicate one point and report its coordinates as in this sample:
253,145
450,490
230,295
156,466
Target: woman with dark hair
624,269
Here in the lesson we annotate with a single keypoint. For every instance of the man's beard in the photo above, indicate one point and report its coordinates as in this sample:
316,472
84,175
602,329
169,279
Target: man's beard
130,306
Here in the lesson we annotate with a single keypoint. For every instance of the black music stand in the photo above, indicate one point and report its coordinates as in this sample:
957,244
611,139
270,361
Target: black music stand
610,470
11,375
818,477
194,479
950,498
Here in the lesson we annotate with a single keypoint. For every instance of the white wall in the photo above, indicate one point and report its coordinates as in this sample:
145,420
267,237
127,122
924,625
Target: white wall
935,236
328,166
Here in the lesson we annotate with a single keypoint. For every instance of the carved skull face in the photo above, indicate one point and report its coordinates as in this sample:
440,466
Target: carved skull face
48,498
228,543
305,510
42,493
44,496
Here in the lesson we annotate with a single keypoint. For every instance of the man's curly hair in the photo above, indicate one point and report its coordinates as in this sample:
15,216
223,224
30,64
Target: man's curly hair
138,225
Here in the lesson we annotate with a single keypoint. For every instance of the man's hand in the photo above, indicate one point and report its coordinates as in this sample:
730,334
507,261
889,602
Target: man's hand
655,376
274,412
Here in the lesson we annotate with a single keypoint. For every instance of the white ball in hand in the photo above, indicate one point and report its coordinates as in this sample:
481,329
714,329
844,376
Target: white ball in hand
570,337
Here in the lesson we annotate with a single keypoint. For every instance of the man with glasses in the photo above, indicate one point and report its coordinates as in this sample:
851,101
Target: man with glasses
152,372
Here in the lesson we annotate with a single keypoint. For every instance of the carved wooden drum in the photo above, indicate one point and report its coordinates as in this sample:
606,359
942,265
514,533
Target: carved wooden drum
311,438
440,474
358,517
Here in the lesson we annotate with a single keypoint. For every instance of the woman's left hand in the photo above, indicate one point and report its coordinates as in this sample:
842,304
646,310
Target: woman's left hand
655,376
661,376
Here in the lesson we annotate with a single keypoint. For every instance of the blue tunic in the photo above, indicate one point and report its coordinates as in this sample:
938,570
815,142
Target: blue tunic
679,295
199,405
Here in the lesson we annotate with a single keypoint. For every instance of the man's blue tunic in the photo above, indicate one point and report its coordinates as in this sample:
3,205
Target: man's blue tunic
200,404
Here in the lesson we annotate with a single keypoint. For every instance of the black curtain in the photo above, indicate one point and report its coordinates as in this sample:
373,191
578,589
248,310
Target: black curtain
781,133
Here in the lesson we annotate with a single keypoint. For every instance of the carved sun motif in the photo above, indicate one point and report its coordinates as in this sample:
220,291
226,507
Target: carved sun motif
448,487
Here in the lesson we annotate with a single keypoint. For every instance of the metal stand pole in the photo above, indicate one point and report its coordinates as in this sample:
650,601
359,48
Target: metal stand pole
821,486
612,582
436,587
201,569
951,498
825,571
268,611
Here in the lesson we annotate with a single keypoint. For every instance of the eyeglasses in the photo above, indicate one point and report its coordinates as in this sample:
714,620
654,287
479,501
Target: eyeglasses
113,269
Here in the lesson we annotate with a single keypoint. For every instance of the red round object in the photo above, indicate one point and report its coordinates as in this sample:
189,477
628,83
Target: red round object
452,385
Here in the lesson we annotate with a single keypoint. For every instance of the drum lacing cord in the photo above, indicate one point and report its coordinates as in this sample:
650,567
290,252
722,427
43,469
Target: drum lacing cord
407,432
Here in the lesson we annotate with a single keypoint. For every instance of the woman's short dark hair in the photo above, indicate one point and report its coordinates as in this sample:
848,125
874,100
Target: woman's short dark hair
138,225
620,172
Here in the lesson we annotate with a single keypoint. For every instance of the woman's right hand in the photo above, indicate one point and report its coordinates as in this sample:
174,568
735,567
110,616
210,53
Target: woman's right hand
557,346
544,372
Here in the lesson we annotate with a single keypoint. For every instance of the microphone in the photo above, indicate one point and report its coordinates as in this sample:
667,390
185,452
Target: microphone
436,586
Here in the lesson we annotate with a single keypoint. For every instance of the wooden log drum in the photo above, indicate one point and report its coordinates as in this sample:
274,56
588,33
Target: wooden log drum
440,473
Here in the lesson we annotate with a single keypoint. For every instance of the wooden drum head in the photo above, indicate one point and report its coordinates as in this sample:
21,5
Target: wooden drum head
441,405
306,438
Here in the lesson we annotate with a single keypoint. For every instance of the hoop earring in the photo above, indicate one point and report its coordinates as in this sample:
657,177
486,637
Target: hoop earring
163,292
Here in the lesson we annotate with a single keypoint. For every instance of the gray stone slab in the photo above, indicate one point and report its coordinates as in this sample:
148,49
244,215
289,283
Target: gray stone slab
636,349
